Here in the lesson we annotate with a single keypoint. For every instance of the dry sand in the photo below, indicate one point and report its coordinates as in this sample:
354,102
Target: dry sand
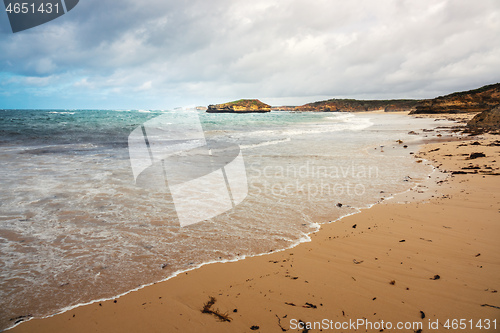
438,259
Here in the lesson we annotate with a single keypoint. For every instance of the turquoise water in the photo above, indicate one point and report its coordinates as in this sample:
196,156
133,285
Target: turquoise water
74,226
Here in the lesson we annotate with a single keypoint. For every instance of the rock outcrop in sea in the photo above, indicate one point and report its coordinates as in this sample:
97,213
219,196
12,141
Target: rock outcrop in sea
477,100
485,121
240,106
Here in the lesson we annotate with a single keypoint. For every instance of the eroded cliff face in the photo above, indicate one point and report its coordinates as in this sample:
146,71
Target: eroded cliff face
477,100
240,106
352,105
488,120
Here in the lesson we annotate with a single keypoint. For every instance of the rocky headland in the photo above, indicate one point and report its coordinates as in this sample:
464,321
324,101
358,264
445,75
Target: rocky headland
353,105
240,106
472,101
486,121
477,100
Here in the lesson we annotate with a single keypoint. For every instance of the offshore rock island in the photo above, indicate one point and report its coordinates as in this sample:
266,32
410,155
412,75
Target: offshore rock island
240,106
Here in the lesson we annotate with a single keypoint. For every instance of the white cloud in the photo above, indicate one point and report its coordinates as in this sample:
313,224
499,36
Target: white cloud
170,53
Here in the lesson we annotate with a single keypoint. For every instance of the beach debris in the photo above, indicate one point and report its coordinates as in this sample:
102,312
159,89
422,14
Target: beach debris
290,303
433,150
163,266
279,323
405,146
422,314
235,310
19,319
491,306
254,327
357,262
339,205
354,226
427,240
374,298
303,324
402,241
309,306
115,301
477,255
207,308
476,155
412,133
471,167
460,173
399,141
393,282
420,330
435,277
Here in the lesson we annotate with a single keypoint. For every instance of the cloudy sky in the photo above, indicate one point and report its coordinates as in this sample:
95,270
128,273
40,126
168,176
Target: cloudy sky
160,54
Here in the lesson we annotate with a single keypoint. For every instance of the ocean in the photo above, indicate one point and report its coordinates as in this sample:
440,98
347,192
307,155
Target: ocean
76,226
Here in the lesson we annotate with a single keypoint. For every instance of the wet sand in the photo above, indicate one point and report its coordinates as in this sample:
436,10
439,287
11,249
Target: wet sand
434,259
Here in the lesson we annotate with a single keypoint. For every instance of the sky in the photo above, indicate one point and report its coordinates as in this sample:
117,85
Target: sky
162,54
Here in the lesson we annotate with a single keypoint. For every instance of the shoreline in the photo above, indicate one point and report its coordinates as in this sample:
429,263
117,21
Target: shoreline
206,278
98,297
305,238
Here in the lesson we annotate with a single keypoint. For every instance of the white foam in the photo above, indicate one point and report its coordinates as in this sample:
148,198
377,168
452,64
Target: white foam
266,143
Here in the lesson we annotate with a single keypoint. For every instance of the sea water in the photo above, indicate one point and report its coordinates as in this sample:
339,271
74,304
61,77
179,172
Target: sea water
75,227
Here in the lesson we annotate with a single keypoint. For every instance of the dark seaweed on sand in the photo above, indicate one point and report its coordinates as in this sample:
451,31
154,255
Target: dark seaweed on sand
207,308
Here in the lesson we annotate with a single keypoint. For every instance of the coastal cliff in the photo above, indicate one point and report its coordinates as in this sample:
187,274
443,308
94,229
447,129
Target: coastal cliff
477,100
472,101
353,105
240,106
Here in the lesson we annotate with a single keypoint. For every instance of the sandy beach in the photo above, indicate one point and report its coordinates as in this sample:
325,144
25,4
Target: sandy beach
419,266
